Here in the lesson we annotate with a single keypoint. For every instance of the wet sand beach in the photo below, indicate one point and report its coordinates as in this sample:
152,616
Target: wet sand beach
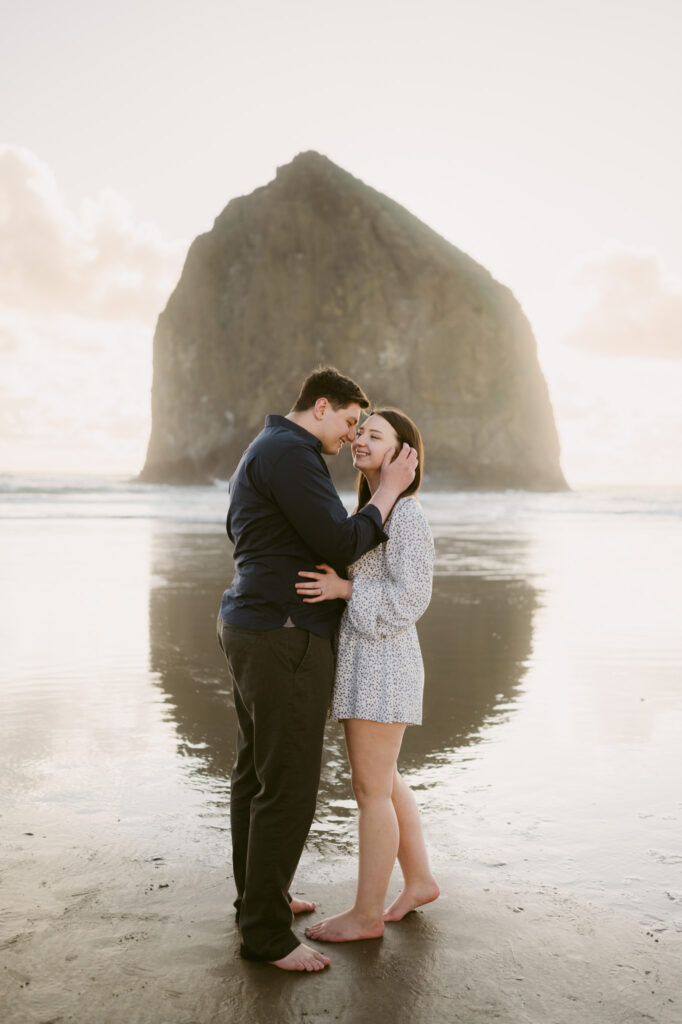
547,770
152,942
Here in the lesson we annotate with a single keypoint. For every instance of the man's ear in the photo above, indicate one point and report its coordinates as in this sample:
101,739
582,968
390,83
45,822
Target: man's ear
320,408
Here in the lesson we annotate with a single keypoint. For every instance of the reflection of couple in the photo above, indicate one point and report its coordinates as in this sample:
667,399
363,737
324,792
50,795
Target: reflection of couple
294,546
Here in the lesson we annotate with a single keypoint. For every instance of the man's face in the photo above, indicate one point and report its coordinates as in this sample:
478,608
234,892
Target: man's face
338,427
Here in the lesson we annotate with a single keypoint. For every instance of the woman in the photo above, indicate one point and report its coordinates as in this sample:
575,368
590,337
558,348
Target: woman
378,686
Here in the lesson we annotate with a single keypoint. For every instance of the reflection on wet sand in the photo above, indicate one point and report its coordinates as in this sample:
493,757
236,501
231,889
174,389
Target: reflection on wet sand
187,574
476,639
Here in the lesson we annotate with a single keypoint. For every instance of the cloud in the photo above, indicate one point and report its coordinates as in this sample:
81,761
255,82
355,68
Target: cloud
80,290
619,420
8,341
75,393
96,261
634,308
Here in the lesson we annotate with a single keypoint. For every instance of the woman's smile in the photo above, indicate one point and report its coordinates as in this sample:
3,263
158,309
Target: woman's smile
373,440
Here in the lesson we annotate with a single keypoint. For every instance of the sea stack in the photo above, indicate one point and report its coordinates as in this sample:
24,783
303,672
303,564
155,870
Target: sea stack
317,268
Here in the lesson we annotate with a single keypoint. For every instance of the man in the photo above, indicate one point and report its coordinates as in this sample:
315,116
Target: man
285,515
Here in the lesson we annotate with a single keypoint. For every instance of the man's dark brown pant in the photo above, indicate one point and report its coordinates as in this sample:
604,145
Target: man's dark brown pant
282,682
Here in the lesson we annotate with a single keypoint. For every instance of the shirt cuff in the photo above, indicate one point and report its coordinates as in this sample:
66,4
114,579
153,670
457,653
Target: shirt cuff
373,513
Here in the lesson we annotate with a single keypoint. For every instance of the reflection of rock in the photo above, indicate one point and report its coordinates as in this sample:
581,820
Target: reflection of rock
183,646
318,267
475,638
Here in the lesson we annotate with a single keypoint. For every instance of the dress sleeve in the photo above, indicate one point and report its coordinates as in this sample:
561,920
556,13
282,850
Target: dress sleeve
380,609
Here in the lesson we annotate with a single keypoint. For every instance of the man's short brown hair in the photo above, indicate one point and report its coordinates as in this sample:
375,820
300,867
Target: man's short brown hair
327,382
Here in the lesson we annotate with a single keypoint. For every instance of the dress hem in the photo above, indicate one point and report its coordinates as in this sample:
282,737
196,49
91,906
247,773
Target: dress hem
379,721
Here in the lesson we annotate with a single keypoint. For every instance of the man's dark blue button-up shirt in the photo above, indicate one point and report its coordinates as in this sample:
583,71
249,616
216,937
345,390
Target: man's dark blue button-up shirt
285,515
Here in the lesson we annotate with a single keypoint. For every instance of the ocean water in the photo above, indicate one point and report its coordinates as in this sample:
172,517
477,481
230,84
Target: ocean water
550,749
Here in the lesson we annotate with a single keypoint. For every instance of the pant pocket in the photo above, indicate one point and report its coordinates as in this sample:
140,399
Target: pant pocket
290,646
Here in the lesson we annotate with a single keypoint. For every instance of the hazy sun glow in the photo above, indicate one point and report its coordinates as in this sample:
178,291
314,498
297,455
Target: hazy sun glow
537,139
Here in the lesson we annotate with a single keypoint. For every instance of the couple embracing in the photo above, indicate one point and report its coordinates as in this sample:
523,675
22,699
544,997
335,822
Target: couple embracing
320,619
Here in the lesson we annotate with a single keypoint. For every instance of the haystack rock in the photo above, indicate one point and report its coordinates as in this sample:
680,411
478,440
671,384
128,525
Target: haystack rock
318,268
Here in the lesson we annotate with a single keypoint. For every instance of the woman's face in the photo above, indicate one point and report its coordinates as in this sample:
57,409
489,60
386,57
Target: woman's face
373,439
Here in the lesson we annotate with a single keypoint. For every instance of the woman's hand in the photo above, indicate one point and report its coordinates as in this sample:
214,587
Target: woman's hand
325,585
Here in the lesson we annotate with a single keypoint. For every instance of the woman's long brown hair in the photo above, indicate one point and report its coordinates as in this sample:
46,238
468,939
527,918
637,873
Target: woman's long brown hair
406,431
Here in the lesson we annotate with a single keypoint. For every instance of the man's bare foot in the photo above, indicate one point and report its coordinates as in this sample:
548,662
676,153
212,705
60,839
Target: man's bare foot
345,927
302,906
410,899
303,958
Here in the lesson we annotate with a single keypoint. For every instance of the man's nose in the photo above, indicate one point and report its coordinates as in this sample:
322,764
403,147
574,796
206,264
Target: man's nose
351,434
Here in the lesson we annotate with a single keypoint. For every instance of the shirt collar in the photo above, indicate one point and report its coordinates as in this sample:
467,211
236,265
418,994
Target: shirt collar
283,423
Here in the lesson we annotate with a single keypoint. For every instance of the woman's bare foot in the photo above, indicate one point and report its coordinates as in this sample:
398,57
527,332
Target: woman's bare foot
303,958
410,899
345,927
302,906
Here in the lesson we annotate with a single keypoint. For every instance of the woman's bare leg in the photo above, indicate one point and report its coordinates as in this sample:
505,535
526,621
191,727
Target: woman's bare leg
420,886
373,749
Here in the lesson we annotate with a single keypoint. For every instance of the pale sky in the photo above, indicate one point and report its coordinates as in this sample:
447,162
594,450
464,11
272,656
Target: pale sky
542,138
